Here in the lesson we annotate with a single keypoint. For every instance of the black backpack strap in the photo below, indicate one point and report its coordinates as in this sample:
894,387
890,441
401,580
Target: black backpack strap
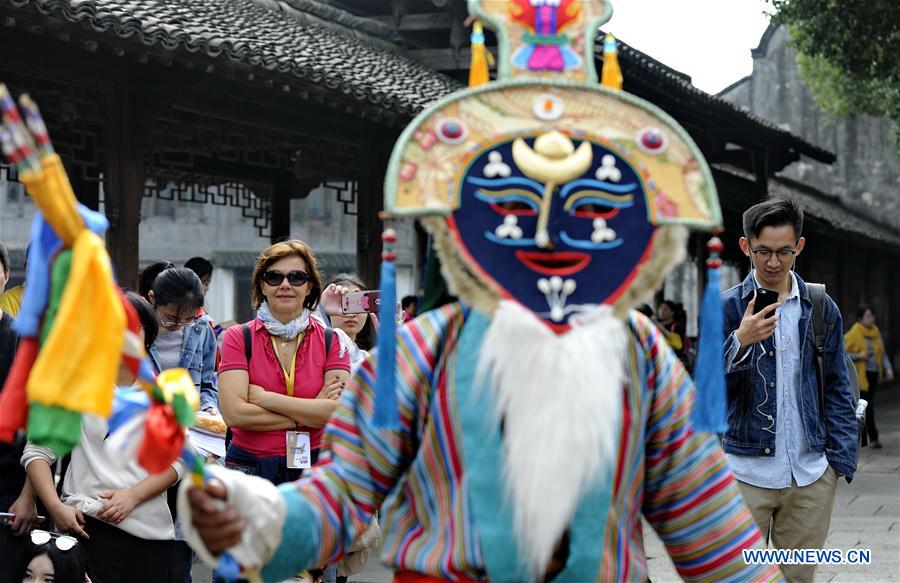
817,297
248,343
248,352
329,334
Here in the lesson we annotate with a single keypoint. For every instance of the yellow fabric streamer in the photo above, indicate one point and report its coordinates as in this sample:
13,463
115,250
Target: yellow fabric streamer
612,73
53,195
77,366
478,68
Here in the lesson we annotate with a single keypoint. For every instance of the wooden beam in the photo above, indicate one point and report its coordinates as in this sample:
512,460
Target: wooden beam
308,121
443,59
124,182
226,171
419,22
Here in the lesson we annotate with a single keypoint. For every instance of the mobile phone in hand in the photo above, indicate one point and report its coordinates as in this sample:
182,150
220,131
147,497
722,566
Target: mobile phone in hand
764,299
360,302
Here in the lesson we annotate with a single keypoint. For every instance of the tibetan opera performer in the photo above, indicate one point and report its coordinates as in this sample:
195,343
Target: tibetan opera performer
519,434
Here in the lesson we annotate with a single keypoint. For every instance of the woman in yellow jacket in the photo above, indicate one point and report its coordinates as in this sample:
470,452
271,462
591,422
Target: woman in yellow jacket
864,345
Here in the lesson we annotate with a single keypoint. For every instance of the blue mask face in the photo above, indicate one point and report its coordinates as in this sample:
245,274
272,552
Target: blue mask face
556,248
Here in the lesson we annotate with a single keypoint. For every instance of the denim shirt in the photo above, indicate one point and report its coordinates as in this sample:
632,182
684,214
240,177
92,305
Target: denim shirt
793,458
198,356
833,433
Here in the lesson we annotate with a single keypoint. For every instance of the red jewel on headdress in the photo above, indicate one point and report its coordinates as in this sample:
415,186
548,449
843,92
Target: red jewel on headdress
451,131
652,141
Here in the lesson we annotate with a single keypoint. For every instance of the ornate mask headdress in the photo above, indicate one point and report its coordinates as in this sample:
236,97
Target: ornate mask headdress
544,187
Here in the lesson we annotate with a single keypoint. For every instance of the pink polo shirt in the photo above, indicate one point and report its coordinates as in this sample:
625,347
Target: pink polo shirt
265,371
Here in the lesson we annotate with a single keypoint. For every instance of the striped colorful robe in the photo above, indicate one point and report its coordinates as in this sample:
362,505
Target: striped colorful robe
438,479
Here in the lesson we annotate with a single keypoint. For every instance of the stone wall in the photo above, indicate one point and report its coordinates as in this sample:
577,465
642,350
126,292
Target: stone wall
866,175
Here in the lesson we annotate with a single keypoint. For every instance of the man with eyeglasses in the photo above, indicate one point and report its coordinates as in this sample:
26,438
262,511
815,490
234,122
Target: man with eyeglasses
786,452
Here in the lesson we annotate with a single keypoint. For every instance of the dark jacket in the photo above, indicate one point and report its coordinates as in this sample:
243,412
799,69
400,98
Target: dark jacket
835,432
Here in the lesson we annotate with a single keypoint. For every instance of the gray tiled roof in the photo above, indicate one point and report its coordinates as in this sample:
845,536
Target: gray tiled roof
826,209
679,87
302,39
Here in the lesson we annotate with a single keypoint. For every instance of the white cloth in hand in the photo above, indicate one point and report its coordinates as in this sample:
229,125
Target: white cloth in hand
259,503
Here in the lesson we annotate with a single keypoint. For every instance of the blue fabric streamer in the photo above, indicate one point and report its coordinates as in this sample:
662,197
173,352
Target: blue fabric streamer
146,372
385,415
709,370
126,404
228,568
43,248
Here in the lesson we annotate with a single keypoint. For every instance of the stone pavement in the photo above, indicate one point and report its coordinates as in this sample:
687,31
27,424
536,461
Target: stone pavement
866,512
866,515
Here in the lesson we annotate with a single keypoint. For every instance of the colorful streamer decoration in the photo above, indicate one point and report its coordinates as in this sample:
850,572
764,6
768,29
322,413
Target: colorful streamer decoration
77,328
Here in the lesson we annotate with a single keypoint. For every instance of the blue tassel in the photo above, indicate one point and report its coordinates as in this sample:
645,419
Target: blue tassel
709,371
385,415
228,568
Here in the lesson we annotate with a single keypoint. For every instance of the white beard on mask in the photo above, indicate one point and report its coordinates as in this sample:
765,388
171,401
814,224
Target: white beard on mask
559,398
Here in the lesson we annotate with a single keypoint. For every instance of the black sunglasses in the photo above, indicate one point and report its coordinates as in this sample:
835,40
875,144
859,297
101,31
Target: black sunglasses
274,277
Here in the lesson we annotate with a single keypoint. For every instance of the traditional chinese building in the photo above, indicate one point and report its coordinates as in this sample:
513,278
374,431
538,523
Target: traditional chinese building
253,104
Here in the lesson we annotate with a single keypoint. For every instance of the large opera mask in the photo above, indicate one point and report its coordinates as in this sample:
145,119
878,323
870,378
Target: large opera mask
544,187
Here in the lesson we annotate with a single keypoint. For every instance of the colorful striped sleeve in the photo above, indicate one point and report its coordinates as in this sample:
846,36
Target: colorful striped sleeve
690,495
333,505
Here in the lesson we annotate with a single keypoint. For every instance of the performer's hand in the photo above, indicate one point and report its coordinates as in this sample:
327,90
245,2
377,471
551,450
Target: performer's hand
757,327
68,519
219,526
26,514
118,506
889,375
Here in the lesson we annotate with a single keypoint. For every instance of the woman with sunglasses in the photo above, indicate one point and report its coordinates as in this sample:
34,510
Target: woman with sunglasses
277,392
53,558
117,510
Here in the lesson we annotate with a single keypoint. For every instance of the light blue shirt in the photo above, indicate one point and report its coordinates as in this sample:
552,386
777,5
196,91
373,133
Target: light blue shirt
793,457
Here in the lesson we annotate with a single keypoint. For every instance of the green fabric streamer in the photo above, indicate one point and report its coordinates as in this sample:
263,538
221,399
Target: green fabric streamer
59,276
184,413
54,427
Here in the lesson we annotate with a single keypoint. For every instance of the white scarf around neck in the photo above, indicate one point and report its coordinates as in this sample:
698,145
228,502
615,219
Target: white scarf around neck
277,328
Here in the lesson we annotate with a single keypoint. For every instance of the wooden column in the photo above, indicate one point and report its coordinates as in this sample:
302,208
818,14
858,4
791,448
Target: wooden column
371,202
280,212
125,177
86,191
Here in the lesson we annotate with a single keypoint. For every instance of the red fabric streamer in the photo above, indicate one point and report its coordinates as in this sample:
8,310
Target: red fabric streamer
131,361
14,398
163,439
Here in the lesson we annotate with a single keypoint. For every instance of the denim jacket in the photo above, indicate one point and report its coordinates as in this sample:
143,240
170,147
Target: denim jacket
198,356
837,435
